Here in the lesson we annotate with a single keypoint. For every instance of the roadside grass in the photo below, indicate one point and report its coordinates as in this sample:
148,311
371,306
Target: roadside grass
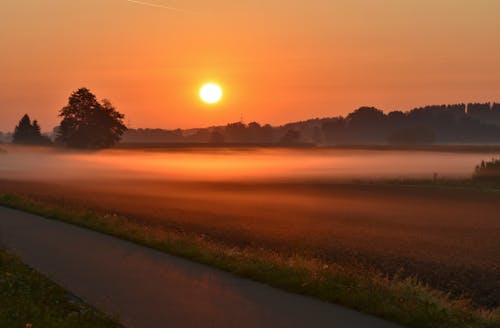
28,299
405,301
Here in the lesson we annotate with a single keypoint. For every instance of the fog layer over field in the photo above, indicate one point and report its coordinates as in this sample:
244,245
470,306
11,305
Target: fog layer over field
235,164
282,199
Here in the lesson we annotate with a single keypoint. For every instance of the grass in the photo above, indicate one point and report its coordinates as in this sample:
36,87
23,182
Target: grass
405,301
28,299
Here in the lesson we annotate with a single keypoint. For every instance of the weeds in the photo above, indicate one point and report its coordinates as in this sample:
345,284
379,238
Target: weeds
28,299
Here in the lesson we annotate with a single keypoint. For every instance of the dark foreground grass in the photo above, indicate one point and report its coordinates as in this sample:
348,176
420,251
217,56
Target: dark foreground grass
405,301
28,299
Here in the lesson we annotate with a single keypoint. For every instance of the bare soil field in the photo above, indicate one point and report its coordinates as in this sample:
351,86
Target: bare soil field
447,237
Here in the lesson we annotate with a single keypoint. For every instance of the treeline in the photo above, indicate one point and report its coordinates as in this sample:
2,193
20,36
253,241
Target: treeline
29,133
100,126
455,123
231,133
86,123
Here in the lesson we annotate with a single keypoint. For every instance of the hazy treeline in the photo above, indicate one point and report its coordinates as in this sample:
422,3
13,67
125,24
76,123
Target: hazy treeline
455,123
86,123
231,133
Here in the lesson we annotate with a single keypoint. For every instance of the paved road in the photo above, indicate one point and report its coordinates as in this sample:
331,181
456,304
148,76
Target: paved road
147,288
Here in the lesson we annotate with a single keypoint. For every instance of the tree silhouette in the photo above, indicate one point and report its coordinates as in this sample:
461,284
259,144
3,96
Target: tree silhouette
291,137
36,128
442,123
89,124
236,132
23,132
217,136
488,171
334,130
416,135
27,133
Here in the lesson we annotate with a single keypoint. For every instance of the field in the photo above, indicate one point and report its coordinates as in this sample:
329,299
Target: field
442,233
447,237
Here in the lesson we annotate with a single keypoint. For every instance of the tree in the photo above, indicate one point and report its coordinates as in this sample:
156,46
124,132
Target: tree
416,135
236,132
216,136
334,130
317,135
488,171
88,123
37,131
291,137
27,133
23,131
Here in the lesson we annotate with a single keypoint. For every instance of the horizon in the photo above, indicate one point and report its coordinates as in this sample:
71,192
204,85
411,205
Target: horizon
319,59
386,112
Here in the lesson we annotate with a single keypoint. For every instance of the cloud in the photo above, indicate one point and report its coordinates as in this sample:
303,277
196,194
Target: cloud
144,3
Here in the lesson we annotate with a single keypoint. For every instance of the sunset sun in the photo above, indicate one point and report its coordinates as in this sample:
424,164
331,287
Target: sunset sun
211,93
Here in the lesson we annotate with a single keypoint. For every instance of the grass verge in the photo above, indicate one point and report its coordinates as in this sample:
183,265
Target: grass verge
28,299
405,301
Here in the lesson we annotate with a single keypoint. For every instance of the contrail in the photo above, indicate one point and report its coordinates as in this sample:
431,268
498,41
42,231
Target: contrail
155,5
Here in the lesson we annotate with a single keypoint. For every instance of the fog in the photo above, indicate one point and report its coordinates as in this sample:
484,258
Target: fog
386,225
234,164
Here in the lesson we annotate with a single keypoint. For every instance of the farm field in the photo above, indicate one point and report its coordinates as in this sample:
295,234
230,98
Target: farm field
445,236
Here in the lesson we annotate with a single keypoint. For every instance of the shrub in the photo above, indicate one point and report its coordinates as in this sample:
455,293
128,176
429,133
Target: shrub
488,171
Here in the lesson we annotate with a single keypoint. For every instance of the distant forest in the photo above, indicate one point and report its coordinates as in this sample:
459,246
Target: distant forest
473,123
444,124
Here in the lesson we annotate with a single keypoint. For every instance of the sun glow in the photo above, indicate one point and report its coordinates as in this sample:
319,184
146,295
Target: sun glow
211,93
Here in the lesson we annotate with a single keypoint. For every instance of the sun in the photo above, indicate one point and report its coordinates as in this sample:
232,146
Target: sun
211,93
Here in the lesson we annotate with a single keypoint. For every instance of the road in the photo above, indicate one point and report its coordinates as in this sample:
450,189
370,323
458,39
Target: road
147,288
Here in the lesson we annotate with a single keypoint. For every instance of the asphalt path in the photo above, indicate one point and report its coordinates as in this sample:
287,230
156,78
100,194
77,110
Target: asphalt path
147,288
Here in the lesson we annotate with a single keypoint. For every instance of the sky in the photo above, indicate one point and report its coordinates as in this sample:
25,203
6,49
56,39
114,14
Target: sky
277,61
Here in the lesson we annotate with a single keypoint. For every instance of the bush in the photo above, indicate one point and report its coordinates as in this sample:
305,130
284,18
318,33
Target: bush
488,171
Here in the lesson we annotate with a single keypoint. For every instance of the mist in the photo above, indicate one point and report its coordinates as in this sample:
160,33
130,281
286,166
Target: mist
49,164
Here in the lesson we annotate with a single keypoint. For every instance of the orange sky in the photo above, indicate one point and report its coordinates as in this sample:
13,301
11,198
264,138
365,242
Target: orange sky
277,61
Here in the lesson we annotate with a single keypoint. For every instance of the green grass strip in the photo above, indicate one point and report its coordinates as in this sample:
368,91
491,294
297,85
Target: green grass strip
29,299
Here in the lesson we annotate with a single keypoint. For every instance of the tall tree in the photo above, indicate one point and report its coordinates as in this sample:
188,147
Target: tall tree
37,131
27,133
23,130
89,124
